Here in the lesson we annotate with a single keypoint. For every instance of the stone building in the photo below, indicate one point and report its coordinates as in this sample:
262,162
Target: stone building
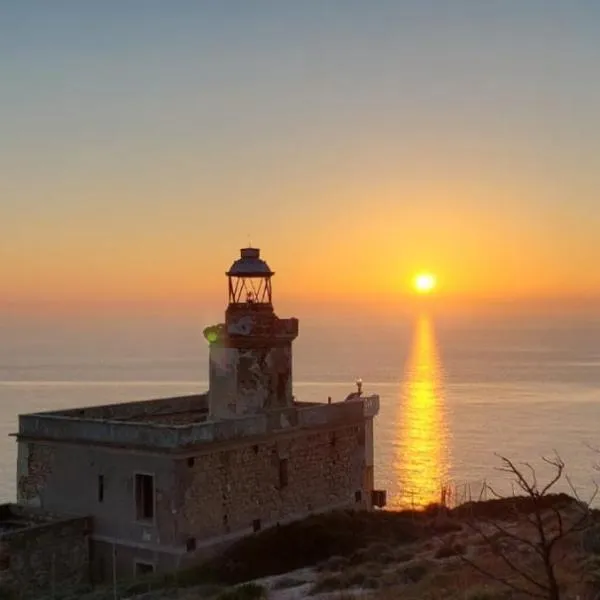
166,481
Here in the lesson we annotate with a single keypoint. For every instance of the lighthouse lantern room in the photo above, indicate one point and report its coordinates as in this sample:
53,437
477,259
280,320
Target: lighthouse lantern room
250,279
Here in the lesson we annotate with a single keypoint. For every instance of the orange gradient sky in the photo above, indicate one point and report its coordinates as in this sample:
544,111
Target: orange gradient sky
354,147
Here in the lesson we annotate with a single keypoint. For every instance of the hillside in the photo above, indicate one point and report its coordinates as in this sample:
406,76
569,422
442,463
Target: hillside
469,552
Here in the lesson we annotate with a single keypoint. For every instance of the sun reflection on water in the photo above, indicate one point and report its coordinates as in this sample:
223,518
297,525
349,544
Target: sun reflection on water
421,457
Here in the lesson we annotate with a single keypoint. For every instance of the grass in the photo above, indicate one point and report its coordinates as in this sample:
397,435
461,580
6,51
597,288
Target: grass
372,575
449,548
247,591
366,576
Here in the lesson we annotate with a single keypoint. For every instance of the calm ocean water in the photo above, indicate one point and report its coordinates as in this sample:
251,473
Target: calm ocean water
453,392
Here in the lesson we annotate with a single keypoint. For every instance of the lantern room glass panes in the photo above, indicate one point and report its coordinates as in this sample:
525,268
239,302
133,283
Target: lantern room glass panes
250,290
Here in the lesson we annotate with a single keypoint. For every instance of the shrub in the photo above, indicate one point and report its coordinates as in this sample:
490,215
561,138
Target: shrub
288,582
379,552
247,591
403,556
414,572
365,576
503,509
334,564
448,549
6,593
314,540
358,577
329,583
591,540
444,523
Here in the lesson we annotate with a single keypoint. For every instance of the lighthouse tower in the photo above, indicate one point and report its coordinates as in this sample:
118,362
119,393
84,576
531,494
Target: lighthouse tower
250,366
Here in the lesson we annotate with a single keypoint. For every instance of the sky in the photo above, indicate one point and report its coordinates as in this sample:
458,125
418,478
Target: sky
142,143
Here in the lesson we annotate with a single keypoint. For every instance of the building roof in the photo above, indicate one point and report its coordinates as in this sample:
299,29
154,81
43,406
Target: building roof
250,264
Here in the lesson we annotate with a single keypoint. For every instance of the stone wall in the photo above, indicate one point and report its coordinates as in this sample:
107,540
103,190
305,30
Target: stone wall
255,485
119,560
34,466
43,557
249,380
223,381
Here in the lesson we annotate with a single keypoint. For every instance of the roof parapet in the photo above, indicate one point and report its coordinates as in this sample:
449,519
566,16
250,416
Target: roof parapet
172,437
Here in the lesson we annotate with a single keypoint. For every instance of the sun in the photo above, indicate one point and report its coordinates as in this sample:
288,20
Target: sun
424,283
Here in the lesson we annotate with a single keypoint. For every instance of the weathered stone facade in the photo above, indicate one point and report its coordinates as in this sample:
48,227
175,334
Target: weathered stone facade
40,553
255,485
249,380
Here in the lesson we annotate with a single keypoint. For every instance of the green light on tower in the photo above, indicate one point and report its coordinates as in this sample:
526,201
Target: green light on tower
211,335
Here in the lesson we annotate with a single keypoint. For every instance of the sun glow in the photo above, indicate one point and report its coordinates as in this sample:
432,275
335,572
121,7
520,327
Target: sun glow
424,283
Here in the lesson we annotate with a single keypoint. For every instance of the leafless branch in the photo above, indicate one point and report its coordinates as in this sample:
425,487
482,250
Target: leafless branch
502,555
559,465
547,532
502,580
513,536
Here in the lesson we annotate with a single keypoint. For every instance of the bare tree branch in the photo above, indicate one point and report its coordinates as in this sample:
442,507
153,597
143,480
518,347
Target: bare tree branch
502,556
559,465
513,536
502,580
547,532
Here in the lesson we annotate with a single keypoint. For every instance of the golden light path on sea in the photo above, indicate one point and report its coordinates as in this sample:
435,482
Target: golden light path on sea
421,456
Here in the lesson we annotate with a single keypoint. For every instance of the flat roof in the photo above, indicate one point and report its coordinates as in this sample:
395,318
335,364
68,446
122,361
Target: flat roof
176,410
179,423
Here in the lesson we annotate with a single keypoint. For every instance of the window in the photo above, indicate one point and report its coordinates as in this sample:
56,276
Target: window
190,544
378,498
143,568
283,472
144,497
100,488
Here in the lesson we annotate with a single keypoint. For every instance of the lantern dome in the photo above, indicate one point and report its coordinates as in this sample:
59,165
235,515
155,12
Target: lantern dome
250,264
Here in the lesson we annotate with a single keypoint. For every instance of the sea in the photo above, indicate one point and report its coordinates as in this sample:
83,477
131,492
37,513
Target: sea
458,395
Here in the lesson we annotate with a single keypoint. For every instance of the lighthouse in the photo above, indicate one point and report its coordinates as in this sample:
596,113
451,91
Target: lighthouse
250,363
242,457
